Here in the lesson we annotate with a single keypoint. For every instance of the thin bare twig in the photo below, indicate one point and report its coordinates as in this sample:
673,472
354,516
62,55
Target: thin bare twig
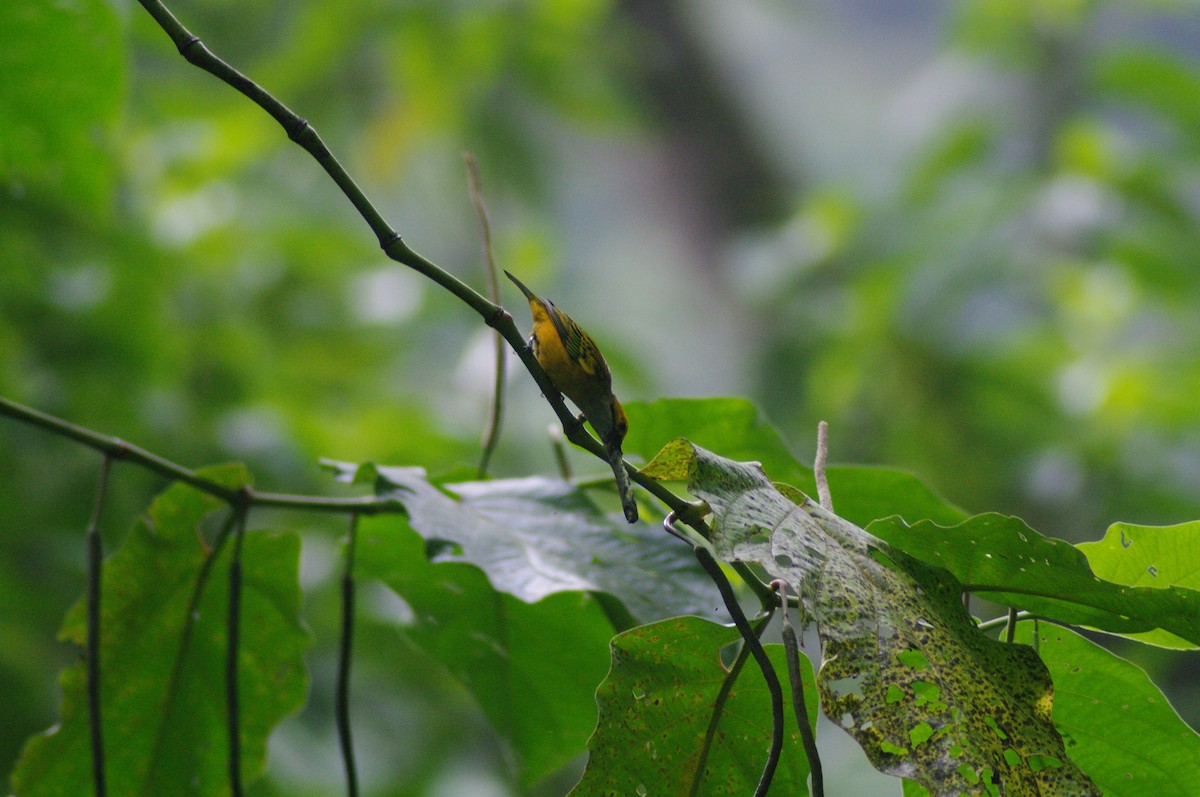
791,648
752,643
823,495
342,699
232,703
117,449
94,561
756,650
491,431
560,451
718,708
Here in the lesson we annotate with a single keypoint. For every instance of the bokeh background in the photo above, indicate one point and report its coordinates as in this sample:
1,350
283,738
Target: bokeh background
967,234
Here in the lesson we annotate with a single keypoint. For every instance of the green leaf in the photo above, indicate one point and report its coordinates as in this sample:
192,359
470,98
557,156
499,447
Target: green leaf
913,789
1157,79
534,537
732,425
533,667
1116,723
1006,561
862,494
655,710
64,77
739,430
1149,556
163,659
886,620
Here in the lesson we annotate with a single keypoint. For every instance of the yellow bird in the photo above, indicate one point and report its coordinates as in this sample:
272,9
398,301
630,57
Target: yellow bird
575,365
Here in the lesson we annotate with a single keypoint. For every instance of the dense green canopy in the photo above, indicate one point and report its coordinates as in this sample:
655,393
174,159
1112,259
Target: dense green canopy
965,235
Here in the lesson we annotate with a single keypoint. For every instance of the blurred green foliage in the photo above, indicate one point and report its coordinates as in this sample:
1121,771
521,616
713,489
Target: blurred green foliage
986,271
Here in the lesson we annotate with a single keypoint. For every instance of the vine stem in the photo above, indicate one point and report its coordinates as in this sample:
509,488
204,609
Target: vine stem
233,707
116,449
791,648
760,656
491,432
342,704
714,720
95,556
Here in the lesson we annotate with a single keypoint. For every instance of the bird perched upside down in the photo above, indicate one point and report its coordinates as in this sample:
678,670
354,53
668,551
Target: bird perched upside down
575,365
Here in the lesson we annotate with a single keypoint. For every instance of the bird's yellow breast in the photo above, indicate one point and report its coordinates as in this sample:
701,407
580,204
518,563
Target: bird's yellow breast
576,379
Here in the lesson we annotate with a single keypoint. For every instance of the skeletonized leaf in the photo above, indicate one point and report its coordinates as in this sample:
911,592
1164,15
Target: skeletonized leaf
904,671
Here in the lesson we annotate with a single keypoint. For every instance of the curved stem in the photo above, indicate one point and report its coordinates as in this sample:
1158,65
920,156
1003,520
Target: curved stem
756,649
1010,628
714,720
233,712
491,432
494,315
95,556
791,649
342,700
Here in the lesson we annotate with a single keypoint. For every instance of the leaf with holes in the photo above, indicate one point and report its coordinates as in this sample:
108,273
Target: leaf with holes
1160,557
905,671
1004,560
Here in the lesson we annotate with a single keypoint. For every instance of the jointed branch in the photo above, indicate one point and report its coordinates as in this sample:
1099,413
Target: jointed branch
300,131
117,449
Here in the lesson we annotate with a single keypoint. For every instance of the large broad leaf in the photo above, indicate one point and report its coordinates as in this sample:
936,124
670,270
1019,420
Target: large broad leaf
1116,723
664,730
533,667
163,660
528,634
738,428
534,537
905,671
1003,559
1160,557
